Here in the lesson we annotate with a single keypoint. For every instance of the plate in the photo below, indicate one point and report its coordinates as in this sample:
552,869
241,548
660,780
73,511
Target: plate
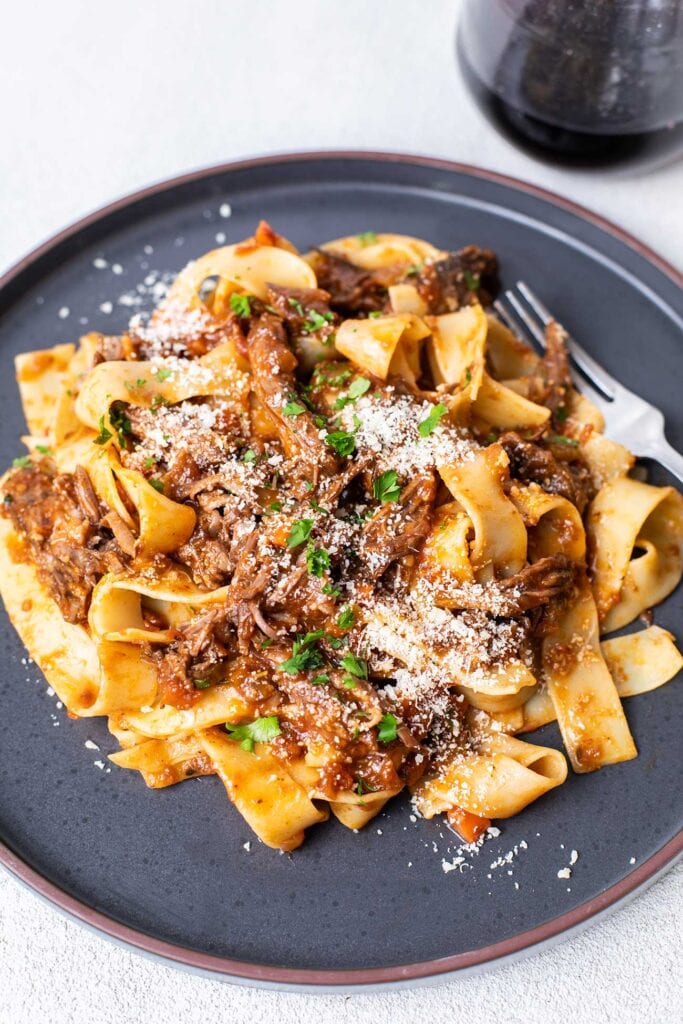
176,872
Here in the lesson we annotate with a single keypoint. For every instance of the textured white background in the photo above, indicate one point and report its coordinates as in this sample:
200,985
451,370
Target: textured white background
97,99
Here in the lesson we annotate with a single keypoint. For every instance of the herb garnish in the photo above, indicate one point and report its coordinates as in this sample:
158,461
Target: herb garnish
305,654
431,421
240,304
21,462
343,442
386,730
300,532
561,439
163,373
157,484
317,560
315,321
357,388
261,730
104,434
346,618
471,280
385,487
367,238
292,408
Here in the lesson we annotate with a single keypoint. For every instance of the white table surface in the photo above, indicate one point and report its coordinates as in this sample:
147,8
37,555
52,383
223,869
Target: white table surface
102,98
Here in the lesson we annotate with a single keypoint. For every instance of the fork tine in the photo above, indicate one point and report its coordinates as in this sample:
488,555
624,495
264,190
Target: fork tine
519,321
531,324
592,369
513,322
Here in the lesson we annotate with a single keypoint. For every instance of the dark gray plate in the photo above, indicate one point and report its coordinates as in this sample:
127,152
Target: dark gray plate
166,870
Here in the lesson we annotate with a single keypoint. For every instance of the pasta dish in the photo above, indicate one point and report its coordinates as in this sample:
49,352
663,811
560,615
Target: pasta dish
321,525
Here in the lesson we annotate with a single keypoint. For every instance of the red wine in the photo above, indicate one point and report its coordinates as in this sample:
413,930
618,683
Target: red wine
587,83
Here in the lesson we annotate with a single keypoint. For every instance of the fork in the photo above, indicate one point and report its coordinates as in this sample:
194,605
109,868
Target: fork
629,419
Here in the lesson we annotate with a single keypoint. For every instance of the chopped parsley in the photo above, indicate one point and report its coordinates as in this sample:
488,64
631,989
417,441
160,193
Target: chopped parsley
331,590
158,485
375,314
305,654
135,385
296,305
261,730
561,414
322,678
121,424
386,731
357,388
163,373
315,321
299,533
471,280
385,487
317,560
293,408
317,508
367,238
430,423
157,402
267,642
346,618
149,462
202,684
8,499
355,666
21,462
240,304
43,449
104,434
561,439
249,455
343,442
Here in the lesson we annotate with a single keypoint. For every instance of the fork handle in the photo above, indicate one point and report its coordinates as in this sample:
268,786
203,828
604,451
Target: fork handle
661,451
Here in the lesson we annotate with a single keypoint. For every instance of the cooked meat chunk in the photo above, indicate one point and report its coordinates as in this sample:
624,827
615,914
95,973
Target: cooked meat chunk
534,464
272,365
398,528
295,306
70,551
536,585
353,289
462,278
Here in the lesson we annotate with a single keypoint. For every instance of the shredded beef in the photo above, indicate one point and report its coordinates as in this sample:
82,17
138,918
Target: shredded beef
70,551
534,464
464,277
533,586
353,289
398,528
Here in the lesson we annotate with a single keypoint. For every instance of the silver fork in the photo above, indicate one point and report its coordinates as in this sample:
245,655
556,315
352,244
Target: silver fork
629,419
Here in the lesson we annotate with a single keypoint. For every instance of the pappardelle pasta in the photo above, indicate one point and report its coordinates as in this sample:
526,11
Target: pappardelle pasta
324,527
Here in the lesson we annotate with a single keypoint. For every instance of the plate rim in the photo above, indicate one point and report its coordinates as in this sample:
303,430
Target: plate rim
268,975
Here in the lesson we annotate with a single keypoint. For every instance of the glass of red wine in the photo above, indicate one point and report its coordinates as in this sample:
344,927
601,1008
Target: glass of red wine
582,82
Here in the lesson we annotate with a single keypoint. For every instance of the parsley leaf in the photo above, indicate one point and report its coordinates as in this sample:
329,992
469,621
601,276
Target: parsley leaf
385,487
158,485
355,666
342,441
430,422
300,532
471,280
317,560
293,408
561,439
240,304
21,462
317,508
149,462
249,455
121,424
357,388
375,314
331,590
202,684
305,654
163,373
561,414
43,449
104,434
296,305
346,618
386,731
315,321
367,238
261,730
322,678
